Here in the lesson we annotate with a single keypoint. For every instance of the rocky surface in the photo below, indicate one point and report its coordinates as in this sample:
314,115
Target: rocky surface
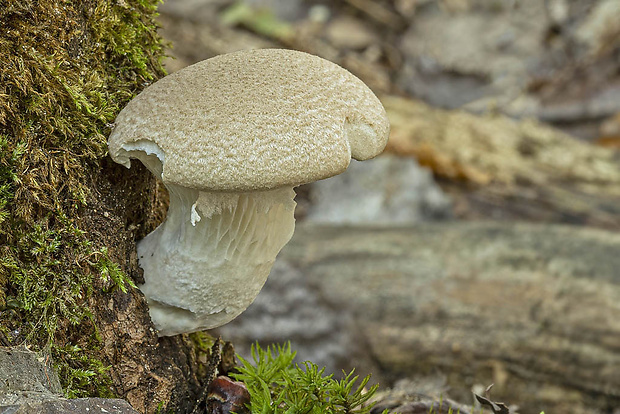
531,308
29,385
387,189
550,60
76,406
26,375
483,54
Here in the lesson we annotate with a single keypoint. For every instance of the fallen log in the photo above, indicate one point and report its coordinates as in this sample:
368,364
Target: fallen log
534,309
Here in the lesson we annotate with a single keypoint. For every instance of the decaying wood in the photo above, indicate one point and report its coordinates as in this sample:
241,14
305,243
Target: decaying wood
534,309
520,169
149,372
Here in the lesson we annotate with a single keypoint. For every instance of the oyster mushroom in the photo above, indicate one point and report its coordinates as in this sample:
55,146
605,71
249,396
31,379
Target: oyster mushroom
230,137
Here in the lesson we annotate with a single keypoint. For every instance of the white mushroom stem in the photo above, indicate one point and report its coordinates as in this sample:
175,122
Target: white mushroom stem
209,259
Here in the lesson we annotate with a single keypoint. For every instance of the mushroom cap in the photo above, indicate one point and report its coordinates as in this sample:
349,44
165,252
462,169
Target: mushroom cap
252,120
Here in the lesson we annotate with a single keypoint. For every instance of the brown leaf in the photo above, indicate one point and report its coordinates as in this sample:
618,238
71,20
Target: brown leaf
497,407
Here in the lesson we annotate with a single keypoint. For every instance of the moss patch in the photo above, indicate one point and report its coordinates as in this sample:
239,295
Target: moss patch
67,69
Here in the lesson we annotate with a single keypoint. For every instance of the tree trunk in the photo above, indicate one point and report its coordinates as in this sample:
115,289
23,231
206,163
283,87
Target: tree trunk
69,216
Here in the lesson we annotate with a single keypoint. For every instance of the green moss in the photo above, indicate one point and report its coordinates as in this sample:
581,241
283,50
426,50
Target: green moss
67,69
277,385
202,342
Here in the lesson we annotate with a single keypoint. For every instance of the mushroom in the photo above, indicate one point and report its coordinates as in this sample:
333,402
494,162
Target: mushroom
230,137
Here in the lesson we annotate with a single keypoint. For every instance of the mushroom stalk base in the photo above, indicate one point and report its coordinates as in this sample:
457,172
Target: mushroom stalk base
209,260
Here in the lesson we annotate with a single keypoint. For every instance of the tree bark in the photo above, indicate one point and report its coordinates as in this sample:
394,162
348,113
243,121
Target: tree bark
69,216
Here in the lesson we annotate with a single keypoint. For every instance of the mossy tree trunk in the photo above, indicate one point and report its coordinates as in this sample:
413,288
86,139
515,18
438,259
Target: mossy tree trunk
69,217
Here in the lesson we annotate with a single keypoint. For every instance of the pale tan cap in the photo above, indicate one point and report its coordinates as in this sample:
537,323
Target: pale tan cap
253,120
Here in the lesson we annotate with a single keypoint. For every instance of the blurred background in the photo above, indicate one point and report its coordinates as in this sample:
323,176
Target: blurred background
483,246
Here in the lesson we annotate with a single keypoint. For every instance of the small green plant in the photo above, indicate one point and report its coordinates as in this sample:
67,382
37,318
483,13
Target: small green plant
437,408
278,385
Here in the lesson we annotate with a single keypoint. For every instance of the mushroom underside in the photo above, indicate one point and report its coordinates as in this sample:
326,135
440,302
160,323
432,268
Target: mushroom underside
209,259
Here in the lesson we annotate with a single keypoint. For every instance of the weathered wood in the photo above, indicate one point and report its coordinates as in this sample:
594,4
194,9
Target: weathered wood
514,169
533,309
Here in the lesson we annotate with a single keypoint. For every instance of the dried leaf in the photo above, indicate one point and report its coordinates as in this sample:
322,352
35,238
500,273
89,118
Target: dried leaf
496,407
